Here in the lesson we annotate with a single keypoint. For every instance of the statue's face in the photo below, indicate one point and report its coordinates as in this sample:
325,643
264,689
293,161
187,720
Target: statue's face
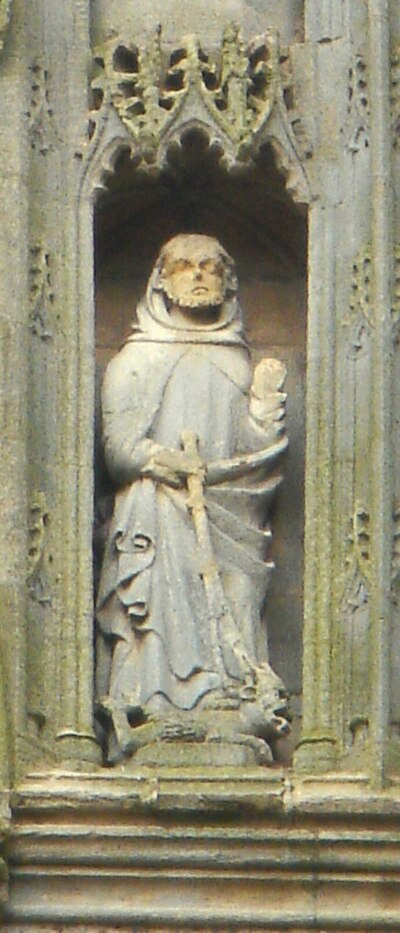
194,281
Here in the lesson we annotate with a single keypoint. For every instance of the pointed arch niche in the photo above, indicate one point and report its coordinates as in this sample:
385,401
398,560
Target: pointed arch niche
248,208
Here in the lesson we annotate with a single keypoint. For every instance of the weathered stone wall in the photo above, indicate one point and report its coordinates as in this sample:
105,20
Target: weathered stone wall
139,19
304,864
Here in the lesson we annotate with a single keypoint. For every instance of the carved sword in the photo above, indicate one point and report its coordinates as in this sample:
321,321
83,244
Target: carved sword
220,615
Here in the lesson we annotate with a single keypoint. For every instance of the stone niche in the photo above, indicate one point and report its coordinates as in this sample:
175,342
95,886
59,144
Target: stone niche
248,209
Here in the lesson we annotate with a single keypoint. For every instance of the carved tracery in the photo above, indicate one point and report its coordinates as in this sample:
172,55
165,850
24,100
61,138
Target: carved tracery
237,95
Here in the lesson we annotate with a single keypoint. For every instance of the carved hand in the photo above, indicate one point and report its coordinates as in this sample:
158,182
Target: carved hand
267,399
172,466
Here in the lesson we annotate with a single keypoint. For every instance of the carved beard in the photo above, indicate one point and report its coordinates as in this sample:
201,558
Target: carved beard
212,298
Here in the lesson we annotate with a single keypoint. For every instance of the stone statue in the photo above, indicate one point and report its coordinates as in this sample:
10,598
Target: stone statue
191,438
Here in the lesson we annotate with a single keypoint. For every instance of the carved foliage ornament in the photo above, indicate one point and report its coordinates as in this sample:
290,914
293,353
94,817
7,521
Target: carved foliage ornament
357,581
358,562
39,558
396,547
231,92
359,318
358,107
41,293
38,517
42,133
395,94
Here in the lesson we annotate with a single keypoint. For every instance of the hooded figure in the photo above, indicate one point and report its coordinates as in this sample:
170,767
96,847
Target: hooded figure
191,439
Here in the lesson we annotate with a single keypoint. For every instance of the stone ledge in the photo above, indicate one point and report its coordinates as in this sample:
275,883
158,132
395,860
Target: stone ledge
223,851
261,790
174,899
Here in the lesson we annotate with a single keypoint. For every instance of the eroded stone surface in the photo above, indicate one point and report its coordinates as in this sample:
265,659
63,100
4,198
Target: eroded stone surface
285,15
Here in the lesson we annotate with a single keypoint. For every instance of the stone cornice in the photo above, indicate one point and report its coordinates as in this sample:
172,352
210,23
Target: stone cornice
101,849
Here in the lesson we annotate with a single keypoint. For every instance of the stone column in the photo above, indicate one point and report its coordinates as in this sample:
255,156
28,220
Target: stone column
75,735
349,492
394,727
327,62
60,398
13,392
382,497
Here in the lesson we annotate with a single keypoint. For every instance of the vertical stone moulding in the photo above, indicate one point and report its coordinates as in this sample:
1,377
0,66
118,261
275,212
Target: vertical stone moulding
382,489
76,739
14,359
76,744
394,728
324,688
317,749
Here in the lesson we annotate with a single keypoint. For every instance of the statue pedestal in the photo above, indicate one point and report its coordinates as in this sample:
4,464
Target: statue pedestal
192,754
